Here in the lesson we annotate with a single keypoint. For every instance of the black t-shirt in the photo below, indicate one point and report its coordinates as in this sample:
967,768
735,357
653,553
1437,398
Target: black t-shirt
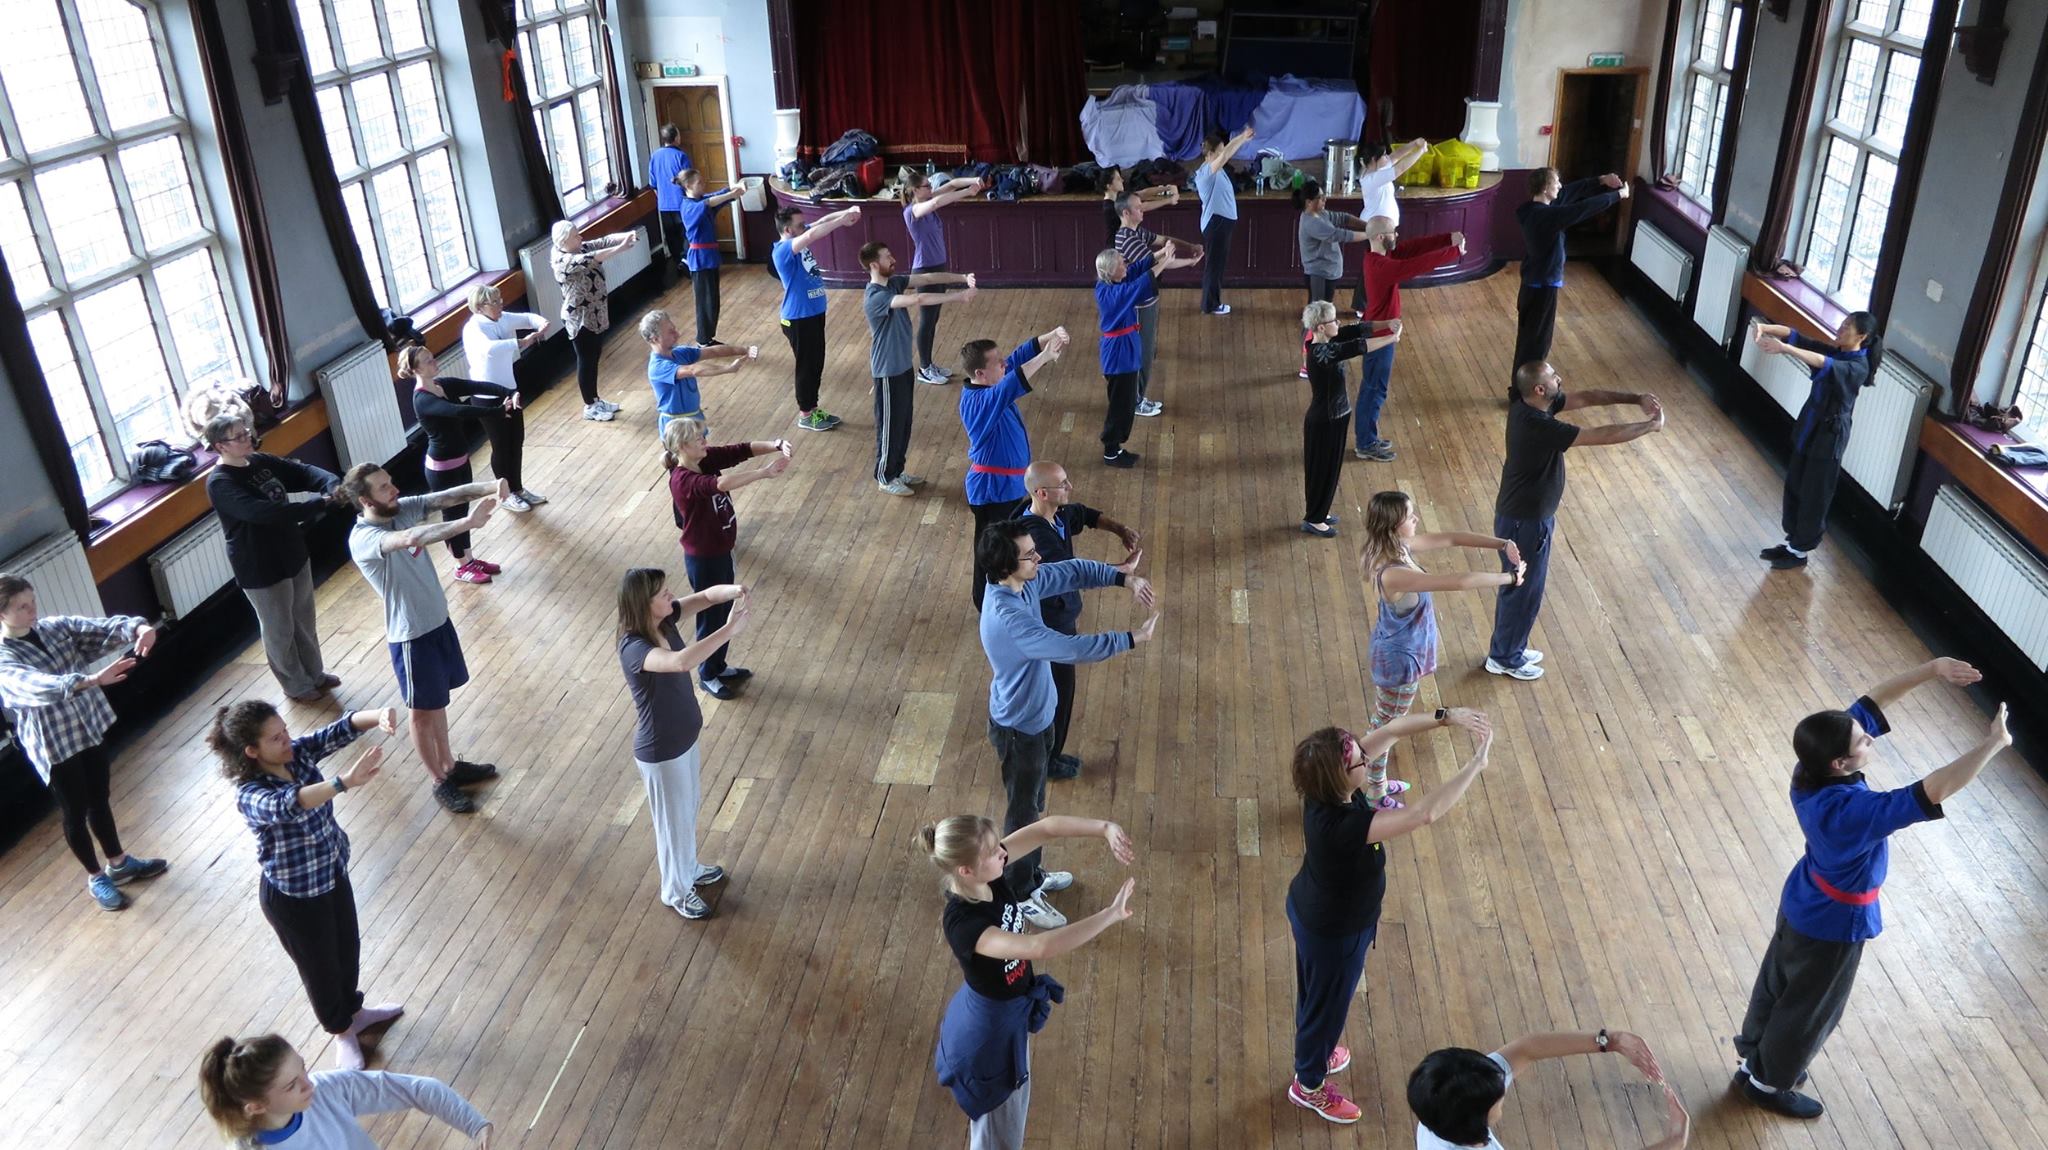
964,923
1532,475
1343,878
1111,221
1056,543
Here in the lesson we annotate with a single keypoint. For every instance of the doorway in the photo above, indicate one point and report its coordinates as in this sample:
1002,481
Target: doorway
697,108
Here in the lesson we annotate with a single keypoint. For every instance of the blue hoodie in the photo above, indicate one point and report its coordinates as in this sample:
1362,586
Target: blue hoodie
1021,649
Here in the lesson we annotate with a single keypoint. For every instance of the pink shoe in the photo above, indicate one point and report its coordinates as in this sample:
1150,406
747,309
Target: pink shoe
1388,803
1339,1059
348,1052
486,566
471,573
1329,1104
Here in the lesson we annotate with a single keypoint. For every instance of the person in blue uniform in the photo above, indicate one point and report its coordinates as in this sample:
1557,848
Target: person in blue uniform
998,447
1551,209
1839,371
1829,906
1121,286
664,164
699,214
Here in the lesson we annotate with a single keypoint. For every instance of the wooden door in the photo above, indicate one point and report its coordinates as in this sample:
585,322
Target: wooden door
1597,127
693,109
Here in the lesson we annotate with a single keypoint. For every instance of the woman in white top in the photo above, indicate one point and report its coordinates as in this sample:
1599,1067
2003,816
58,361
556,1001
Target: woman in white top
491,340
259,1094
586,308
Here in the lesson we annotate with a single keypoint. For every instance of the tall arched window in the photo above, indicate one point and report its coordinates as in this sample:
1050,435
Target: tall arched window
106,228
564,76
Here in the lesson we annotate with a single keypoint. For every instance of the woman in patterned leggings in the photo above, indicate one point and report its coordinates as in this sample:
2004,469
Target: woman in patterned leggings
1404,637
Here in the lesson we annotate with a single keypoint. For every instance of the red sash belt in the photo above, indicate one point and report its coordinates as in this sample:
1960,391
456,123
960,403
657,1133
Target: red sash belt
1120,331
985,469
701,247
1839,895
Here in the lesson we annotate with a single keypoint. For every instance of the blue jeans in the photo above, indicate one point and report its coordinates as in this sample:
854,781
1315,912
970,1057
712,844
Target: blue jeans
1514,611
710,571
1375,371
1327,968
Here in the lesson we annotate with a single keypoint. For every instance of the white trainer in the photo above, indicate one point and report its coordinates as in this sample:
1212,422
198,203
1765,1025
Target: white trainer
1525,672
1040,913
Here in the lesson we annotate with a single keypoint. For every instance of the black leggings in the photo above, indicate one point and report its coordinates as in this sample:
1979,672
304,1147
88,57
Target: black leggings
589,347
82,785
458,545
927,320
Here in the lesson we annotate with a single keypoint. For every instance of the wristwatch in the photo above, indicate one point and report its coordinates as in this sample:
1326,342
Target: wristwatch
341,784
1442,714
1601,1038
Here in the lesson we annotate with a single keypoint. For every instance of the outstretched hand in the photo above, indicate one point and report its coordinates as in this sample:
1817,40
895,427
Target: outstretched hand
1998,734
1956,671
1471,720
1143,634
1638,1053
1119,843
1130,564
387,721
1513,552
1141,590
1120,907
364,768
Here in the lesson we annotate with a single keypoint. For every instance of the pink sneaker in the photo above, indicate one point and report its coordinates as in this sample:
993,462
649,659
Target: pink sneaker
471,573
1326,1101
1339,1059
486,566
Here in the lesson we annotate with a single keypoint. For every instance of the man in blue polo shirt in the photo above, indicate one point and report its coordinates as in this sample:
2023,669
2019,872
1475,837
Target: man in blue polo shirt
803,305
663,166
1829,907
998,447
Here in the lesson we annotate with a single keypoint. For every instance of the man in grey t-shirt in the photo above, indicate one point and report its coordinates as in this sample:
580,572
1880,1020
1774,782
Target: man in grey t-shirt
389,544
887,302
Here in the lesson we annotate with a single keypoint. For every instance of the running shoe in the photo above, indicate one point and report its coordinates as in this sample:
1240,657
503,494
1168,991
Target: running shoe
466,773
1221,309
1340,1058
471,573
486,566
597,413
532,497
1122,459
1054,881
818,420
1040,913
1150,407
895,487
516,504
710,874
692,907
1329,1104
103,892
1526,672
453,798
134,867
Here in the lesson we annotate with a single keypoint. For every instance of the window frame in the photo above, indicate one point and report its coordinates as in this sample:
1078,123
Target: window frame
1718,73
529,24
2032,360
363,173
20,166
1888,42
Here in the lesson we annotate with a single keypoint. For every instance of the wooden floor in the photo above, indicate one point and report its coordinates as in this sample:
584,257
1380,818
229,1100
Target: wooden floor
1619,865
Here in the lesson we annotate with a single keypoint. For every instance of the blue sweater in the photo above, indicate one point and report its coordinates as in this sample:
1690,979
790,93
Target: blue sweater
983,1050
1117,305
1021,649
1543,228
995,432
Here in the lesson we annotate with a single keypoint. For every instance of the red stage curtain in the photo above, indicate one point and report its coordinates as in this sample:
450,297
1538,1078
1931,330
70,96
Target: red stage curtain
989,80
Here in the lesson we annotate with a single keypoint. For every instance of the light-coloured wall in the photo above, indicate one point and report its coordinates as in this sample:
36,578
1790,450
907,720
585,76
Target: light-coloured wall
721,37
1546,35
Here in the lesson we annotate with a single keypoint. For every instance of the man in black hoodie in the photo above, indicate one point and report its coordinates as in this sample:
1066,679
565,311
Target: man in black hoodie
1551,210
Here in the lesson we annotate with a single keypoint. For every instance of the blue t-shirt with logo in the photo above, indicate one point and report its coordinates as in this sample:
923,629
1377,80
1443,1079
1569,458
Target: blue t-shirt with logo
803,289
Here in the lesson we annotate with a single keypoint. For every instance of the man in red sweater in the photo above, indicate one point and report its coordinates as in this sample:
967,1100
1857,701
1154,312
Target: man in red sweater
1388,261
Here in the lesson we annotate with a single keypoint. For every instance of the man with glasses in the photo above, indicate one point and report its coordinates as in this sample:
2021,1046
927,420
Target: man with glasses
1021,700
252,493
1054,519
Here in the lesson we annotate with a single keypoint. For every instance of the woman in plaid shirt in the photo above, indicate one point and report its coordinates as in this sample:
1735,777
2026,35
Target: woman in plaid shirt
59,712
303,851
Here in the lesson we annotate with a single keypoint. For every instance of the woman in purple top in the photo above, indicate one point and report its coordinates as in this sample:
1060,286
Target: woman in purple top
1404,637
928,254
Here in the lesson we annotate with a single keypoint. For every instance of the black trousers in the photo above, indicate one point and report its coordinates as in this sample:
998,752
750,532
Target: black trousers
927,319
83,788
704,288
1809,489
1535,325
322,938
589,347
1215,254
807,342
1063,713
673,239
1322,463
985,514
1123,407
507,434
893,398
458,545
1024,758
1801,990
710,571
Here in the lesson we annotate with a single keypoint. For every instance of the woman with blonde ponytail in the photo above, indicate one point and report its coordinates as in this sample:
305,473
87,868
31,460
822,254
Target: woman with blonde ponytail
984,1054
257,1091
1404,634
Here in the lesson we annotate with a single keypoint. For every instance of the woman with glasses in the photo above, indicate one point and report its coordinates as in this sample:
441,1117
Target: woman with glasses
1333,904
265,529
1329,408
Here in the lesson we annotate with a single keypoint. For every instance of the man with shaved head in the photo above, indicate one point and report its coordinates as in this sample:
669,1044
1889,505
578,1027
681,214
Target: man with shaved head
1388,261
1054,519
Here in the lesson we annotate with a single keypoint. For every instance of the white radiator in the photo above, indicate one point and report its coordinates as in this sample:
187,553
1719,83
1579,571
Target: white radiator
2000,575
1785,378
1718,303
191,567
1660,259
63,579
454,362
1886,434
544,295
362,406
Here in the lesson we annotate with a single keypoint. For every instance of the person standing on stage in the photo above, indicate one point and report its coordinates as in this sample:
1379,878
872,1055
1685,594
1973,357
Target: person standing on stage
303,852
265,530
586,304
928,255
1021,701
664,165
1054,519
803,305
1404,634
984,1047
699,214
1329,408
1532,486
998,447
1551,210
1839,373
1321,235
700,485
1333,904
674,367
1387,262
1829,907
1138,245
887,303
60,713
389,545
1219,212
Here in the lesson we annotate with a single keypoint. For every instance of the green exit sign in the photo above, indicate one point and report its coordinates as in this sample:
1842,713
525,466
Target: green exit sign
1604,60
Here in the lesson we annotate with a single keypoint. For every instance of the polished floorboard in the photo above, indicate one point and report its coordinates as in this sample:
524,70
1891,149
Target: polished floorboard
1618,865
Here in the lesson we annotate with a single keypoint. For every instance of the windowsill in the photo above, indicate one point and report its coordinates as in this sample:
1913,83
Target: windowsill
136,496
1794,303
2019,498
453,300
1685,207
